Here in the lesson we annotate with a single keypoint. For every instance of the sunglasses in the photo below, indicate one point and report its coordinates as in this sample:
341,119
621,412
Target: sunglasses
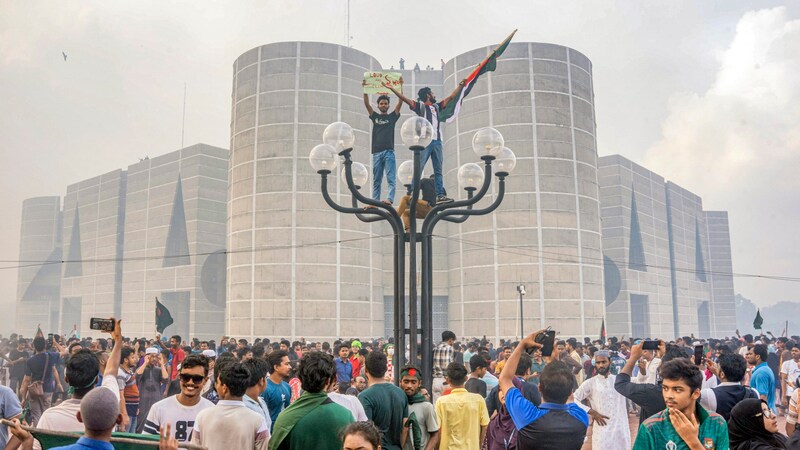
197,379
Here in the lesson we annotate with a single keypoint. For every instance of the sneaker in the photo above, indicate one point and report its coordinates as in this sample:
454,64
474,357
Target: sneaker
443,199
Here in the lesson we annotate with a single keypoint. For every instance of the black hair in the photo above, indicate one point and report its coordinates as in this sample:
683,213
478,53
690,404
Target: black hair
275,358
384,97
525,363
243,351
376,364
258,350
422,94
236,376
73,345
761,350
556,382
258,370
326,346
81,371
789,345
363,352
124,354
561,343
456,373
572,342
734,366
342,387
673,352
341,346
476,362
223,360
315,371
194,361
243,341
367,430
203,342
286,343
748,338
447,335
682,369
39,344
177,338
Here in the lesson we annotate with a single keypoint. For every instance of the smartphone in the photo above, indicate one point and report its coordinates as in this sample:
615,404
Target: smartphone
548,340
101,324
698,355
650,345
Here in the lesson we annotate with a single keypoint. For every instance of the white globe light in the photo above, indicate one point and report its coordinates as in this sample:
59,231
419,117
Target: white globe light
359,172
416,131
323,157
405,173
506,161
339,135
470,175
487,141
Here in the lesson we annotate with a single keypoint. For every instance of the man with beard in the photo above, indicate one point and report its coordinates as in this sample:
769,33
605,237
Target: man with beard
177,355
180,411
421,414
383,159
606,406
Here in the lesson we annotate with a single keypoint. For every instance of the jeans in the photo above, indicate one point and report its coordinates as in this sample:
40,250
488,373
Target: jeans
383,161
434,152
133,424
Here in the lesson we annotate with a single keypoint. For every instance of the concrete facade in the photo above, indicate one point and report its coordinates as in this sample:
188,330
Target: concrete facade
175,242
546,233
720,259
661,253
94,217
296,267
38,285
638,286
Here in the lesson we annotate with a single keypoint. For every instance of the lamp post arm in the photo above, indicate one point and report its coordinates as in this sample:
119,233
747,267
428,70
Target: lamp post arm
462,219
338,207
487,181
427,228
348,164
362,213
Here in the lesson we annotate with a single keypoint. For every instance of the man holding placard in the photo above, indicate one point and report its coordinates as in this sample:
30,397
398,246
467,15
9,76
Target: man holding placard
383,123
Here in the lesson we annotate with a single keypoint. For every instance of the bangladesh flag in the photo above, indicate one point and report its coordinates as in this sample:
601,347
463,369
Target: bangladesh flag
603,330
163,317
758,321
39,331
450,111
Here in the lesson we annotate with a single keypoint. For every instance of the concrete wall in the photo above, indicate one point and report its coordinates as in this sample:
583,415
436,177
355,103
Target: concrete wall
38,285
635,248
174,224
720,266
314,272
546,234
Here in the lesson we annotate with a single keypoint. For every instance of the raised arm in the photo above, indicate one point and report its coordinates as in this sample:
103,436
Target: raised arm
366,99
454,93
411,103
506,380
112,366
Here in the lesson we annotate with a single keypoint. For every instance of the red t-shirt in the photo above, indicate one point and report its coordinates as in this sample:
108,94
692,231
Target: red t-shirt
356,366
177,357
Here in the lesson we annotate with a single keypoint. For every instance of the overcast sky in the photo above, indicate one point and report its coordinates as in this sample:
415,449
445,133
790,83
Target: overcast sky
705,93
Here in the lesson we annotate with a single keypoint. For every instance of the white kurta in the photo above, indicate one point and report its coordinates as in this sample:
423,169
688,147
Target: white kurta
616,433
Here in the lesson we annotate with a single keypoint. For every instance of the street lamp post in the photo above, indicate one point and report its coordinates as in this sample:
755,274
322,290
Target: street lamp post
416,133
521,290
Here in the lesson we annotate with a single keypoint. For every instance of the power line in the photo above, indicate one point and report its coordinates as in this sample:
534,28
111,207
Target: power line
23,263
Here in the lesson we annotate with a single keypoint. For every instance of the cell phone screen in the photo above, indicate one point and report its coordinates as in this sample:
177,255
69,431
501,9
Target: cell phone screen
698,355
101,324
650,345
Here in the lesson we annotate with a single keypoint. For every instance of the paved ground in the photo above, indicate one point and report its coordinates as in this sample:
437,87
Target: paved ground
634,422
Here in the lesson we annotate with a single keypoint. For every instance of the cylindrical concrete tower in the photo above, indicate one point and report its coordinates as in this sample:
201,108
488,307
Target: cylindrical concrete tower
296,267
39,285
546,234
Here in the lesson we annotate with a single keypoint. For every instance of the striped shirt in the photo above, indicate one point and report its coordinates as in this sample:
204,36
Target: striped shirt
442,357
431,113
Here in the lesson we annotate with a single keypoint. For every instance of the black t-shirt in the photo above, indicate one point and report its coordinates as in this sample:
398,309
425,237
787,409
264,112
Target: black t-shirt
476,386
35,368
383,130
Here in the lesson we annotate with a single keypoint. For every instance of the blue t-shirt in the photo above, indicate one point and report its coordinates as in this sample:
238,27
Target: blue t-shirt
9,408
278,397
763,380
550,425
344,370
85,443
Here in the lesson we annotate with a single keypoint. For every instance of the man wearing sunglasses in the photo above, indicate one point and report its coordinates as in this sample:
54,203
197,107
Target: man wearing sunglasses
180,411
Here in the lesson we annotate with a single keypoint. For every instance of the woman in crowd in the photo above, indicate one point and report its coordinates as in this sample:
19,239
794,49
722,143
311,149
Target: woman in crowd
753,426
361,435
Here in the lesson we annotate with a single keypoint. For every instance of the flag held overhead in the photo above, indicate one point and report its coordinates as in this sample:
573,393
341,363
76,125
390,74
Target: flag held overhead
163,317
758,321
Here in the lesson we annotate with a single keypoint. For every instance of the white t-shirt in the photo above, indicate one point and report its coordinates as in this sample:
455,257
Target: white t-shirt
181,418
792,371
352,404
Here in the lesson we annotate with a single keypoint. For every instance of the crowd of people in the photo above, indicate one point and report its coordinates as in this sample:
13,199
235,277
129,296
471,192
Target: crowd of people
234,394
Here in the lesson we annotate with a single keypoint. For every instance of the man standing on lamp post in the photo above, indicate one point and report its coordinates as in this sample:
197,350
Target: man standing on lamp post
426,106
383,145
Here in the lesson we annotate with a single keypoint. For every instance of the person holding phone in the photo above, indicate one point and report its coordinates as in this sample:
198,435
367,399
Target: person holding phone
553,424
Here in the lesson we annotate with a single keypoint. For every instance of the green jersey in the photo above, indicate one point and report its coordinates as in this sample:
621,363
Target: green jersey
657,432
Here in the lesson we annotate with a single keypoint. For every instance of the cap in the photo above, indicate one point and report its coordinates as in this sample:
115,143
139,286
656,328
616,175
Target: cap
151,351
356,344
209,353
